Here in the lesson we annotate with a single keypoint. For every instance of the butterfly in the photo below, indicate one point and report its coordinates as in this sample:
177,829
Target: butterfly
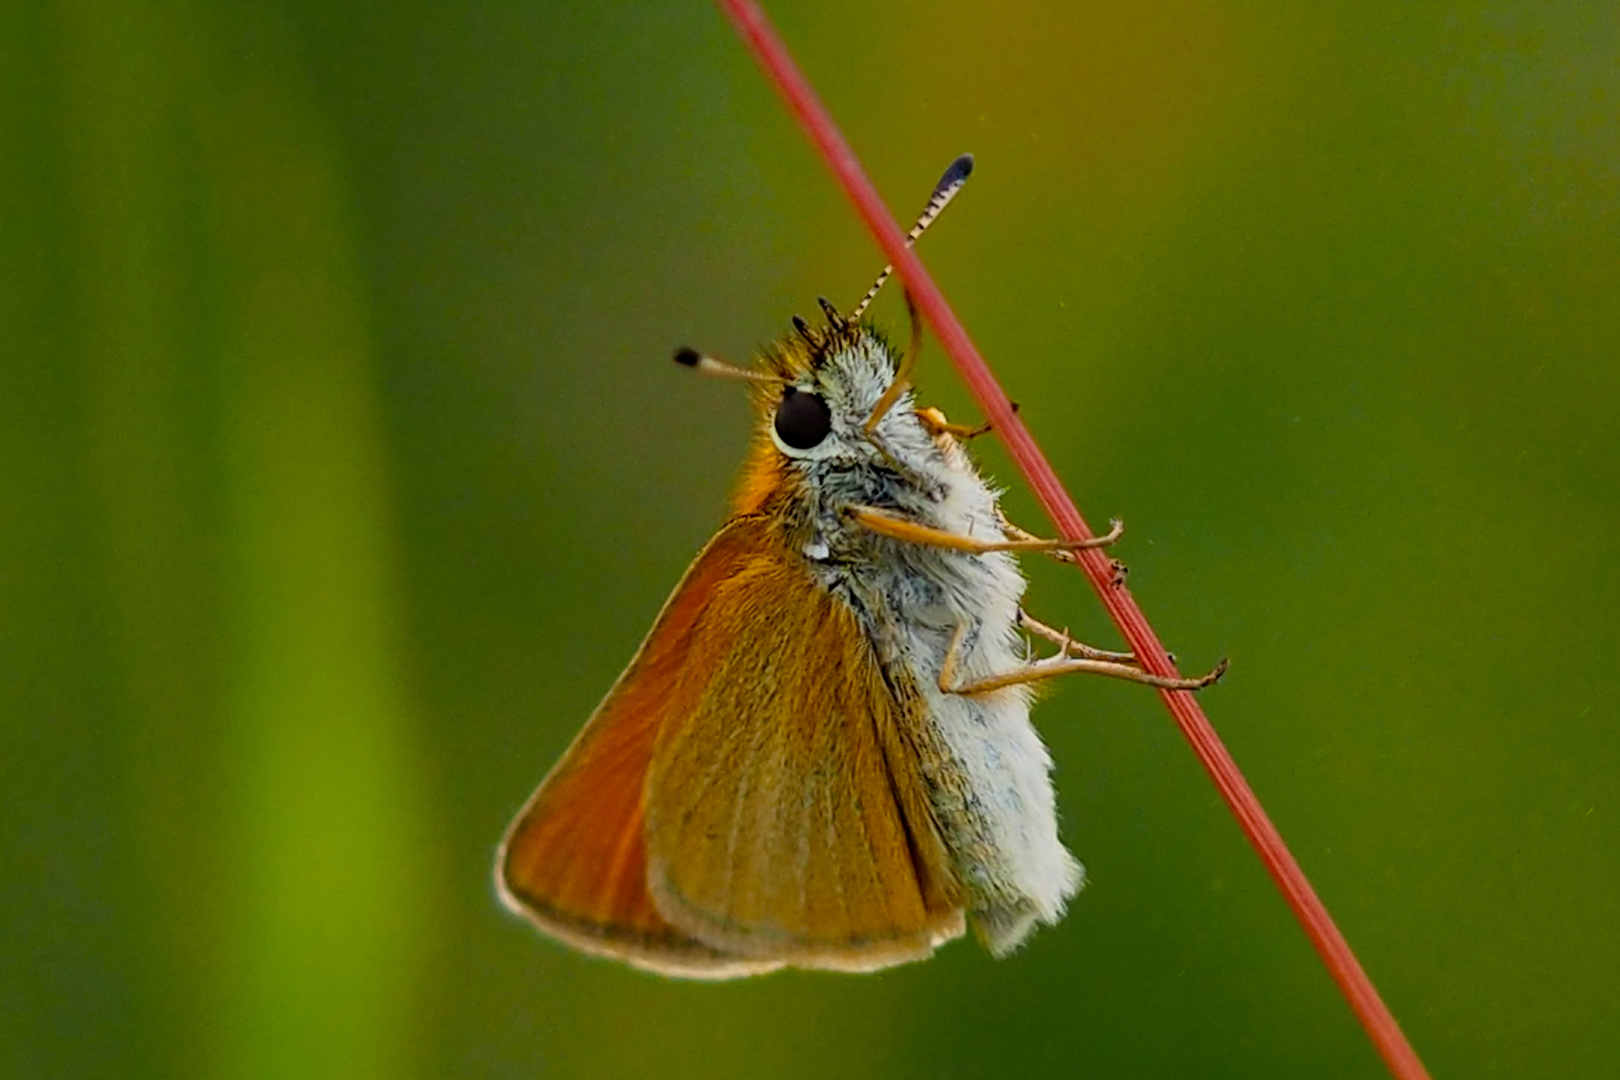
821,755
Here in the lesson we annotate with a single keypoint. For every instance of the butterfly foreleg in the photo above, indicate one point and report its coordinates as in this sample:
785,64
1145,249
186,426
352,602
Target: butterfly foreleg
935,422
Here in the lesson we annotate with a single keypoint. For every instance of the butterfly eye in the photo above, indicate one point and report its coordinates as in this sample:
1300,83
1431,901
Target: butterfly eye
802,419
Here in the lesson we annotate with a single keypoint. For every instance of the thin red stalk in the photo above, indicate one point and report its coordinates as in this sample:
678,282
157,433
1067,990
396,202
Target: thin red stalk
757,32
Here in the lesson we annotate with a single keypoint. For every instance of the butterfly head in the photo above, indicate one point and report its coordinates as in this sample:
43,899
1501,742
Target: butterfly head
836,425
837,414
835,396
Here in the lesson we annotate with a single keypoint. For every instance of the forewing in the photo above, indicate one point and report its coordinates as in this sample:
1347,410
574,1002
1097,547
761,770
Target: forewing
787,815
575,859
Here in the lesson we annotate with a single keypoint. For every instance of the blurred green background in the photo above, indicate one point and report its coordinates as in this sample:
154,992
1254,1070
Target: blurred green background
342,467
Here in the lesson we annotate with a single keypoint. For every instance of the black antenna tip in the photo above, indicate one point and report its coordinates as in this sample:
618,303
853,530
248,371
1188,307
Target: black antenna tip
959,171
687,356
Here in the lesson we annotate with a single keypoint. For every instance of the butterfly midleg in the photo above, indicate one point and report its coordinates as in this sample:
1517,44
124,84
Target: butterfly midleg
1061,664
885,523
1116,529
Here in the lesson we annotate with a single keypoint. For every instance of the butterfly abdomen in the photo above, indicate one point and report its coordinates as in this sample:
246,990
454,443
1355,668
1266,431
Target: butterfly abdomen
988,772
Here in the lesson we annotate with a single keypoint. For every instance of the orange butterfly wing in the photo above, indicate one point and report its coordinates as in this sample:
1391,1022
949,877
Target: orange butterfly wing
574,861
787,816
753,767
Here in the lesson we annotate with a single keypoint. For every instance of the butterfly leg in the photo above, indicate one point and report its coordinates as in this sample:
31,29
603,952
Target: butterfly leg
1067,645
935,422
1116,529
885,523
1064,663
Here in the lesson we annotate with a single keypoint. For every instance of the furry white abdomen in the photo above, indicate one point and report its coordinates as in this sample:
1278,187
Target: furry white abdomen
999,812
989,773
992,786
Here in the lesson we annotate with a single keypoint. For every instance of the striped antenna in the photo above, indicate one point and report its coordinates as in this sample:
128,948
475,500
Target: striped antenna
944,192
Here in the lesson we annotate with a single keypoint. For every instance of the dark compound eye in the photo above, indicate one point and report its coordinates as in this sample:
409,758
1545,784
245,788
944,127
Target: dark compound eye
802,419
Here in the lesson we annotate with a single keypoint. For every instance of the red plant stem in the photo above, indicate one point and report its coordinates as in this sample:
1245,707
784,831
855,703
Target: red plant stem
757,32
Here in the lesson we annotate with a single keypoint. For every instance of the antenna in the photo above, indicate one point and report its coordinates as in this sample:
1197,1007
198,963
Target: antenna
944,192
908,363
708,365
